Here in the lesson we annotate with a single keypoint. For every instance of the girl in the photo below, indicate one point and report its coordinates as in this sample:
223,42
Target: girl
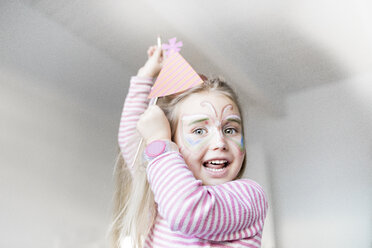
185,191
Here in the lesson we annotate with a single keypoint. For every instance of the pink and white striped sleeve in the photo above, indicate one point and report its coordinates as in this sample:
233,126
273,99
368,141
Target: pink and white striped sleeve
229,211
135,104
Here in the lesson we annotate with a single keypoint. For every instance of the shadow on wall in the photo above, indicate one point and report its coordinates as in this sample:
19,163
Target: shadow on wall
278,57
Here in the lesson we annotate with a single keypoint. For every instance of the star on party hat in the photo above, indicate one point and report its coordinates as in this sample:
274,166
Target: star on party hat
176,75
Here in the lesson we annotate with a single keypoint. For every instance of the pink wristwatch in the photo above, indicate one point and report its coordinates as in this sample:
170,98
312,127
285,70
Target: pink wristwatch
158,147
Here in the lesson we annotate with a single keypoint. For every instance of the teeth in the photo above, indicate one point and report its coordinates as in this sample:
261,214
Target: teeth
217,162
215,170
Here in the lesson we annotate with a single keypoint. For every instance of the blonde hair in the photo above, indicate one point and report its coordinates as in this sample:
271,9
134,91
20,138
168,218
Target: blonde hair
134,205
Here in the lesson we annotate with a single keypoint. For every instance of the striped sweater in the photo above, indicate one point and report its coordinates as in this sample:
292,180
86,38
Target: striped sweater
190,214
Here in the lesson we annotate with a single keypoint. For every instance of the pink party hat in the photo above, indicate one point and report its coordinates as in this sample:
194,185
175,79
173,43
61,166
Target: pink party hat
176,75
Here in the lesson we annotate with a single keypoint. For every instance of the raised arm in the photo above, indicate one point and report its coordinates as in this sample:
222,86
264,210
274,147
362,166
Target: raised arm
228,211
136,103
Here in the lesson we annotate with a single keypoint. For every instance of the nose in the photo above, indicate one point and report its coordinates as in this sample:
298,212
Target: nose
219,142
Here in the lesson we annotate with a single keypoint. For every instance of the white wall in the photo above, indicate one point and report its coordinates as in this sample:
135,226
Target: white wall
258,170
57,144
320,156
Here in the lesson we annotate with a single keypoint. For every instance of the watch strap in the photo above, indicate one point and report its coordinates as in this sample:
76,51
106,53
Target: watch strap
158,147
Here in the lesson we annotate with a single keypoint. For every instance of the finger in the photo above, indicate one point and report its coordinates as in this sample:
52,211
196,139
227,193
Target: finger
150,51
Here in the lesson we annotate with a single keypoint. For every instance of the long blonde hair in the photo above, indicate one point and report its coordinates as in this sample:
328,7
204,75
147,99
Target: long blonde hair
134,205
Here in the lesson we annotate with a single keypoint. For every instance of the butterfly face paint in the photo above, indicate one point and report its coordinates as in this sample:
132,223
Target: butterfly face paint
199,130
209,134
192,134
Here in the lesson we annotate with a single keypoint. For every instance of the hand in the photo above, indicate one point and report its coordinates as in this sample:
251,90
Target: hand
153,64
154,125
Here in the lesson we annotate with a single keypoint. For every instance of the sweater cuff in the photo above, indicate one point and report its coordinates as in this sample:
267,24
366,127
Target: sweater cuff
142,79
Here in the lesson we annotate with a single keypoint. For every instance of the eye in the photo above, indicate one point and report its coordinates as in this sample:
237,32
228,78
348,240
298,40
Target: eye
230,130
199,131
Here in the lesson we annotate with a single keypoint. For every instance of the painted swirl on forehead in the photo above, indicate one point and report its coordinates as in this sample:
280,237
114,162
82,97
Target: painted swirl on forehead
226,108
210,105
213,110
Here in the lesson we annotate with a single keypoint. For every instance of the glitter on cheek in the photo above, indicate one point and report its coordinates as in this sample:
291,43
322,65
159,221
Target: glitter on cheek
184,140
239,145
200,144
242,147
192,142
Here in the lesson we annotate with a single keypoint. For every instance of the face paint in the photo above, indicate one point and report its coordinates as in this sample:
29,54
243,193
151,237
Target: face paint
192,142
238,144
236,119
208,104
226,108
209,129
191,119
189,124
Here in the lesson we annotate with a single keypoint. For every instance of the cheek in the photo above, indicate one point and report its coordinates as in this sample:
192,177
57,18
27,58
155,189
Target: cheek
185,146
185,153
192,150
192,160
238,144
195,145
193,142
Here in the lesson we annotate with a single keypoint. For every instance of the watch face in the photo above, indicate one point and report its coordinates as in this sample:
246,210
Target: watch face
155,148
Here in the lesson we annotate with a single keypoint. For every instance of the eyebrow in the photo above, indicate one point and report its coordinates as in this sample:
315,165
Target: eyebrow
197,121
234,118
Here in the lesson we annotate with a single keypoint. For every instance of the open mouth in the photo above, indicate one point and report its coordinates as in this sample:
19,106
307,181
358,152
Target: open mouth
216,165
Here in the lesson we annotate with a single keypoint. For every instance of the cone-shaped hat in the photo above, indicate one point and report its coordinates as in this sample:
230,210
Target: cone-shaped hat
176,76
